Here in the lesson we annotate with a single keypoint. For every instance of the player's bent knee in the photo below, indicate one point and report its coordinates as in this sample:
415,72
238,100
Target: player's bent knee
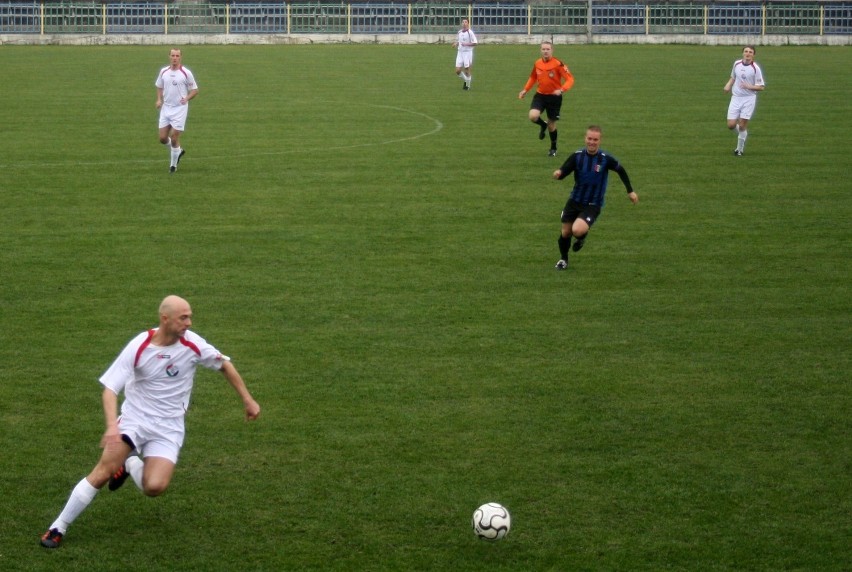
155,490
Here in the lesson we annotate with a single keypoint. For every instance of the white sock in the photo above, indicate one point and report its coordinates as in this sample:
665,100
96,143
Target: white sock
175,154
741,139
81,497
136,467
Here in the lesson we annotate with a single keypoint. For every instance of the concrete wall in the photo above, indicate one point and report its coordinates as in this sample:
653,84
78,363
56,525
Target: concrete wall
187,39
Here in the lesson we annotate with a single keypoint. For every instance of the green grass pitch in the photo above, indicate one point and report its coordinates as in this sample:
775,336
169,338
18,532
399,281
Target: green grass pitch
374,248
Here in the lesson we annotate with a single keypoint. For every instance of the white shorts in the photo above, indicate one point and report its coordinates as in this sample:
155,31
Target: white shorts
154,436
464,59
174,115
741,107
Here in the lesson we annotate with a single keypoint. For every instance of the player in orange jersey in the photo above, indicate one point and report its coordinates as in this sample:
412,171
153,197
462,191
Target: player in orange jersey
554,79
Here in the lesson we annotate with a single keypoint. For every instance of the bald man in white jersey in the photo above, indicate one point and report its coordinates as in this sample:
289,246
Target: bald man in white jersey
156,371
175,87
745,81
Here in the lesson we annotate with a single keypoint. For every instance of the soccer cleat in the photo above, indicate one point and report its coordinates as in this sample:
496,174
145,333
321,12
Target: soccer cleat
464,86
738,153
172,169
182,153
542,131
118,478
551,153
562,265
578,244
51,539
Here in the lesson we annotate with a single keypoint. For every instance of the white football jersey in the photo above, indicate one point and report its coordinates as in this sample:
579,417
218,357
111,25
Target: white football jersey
750,74
176,84
466,37
157,381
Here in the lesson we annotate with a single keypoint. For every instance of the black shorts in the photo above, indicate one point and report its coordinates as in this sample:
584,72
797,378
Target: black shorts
550,103
574,210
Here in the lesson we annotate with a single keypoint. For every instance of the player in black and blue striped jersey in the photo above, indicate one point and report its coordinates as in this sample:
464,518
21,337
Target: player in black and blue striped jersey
591,166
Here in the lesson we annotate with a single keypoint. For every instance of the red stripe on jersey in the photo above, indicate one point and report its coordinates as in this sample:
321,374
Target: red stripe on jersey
191,346
142,347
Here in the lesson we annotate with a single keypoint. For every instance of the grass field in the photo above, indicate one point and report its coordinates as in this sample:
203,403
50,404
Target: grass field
374,248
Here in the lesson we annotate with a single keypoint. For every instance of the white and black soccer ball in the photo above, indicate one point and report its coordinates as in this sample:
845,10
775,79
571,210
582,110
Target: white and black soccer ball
491,521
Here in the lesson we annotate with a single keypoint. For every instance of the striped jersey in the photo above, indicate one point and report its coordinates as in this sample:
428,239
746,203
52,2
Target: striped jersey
157,381
590,175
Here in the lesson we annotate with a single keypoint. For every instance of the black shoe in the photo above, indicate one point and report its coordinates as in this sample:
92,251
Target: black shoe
738,153
182,153
562,265
118,478
172,169
578,244
542,131
464,85
51,539
551,153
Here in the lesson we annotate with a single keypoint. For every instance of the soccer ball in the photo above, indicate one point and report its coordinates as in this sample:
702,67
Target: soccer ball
491,521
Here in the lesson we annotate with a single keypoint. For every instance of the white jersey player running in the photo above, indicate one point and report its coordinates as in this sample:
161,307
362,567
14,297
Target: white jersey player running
175,87
156,372
465,42
745,81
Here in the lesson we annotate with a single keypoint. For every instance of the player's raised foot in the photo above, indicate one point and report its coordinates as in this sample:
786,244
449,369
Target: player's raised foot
738,153
182,153
542,131
51,539
464,86
551,153
562,265
117,479
578,244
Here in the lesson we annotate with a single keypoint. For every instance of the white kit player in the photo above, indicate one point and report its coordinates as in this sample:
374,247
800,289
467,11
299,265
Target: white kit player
175,87
746,80
156,372
465,42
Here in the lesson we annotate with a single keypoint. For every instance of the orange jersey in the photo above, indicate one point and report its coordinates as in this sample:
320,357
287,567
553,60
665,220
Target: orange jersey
549,75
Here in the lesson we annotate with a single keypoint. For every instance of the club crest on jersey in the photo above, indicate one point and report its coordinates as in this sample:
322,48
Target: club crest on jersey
597,168
172,370
164,356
